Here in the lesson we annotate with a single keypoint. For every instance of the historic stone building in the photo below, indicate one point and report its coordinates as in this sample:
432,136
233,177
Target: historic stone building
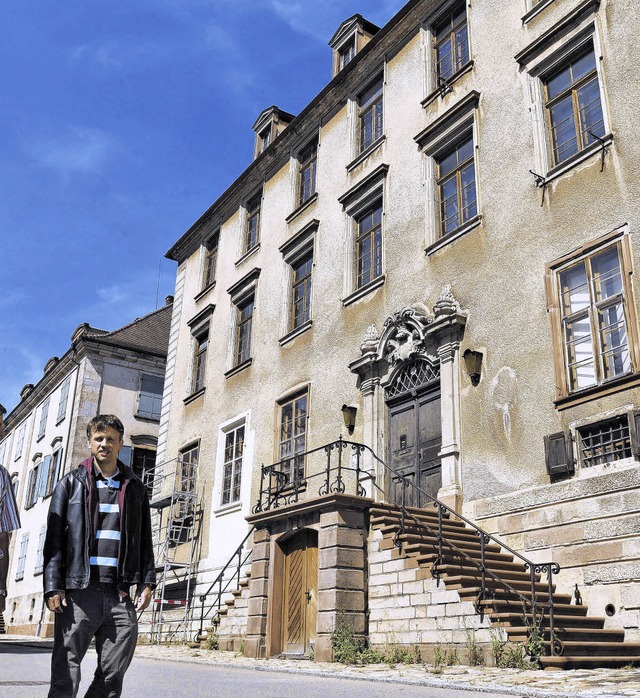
439,248
119,372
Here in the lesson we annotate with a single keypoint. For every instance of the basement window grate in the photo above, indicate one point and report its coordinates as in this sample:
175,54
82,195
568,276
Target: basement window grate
605,442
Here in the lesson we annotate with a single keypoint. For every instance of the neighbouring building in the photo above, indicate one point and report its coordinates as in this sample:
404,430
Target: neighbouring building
119,372
439,248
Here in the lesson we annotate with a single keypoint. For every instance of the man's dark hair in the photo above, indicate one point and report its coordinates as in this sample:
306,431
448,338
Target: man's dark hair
105,421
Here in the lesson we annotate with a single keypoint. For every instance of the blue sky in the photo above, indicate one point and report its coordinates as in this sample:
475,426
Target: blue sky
121,124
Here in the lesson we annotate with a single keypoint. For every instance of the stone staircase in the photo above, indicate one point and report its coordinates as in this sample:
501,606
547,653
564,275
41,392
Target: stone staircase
229,623
585,642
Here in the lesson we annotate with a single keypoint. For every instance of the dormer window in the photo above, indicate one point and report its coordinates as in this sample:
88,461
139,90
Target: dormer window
352,36
268,126
347,52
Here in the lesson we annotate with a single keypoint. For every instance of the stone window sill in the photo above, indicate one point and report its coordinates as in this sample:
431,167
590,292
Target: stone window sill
535,10
363,291
303,207
574,160
205,290
433,96
454,235
366,153
295,333
194,396
238,368
598,391
247,254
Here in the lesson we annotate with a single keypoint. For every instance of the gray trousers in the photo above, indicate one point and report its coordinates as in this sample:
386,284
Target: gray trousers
99,612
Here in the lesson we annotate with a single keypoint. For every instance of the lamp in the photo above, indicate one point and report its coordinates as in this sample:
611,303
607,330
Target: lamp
349,416
473,364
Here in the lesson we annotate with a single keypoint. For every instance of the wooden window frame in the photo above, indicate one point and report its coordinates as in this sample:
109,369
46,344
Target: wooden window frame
373,236
243,329
305,283
371,113
447,20
22,557
152,415
620,239
571,91
346,52
44,415
307,163
200,348
253,216
212,246
64,398
295,467
456,173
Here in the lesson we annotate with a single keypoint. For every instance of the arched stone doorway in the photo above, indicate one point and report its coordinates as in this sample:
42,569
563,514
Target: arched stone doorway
409,378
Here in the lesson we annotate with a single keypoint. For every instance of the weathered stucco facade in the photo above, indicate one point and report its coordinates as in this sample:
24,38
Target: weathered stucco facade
500,282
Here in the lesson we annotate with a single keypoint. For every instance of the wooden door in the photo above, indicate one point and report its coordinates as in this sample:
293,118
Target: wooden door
300,593
415,439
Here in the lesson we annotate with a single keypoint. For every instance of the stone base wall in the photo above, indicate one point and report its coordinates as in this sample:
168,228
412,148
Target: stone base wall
232,629
590,526
407,608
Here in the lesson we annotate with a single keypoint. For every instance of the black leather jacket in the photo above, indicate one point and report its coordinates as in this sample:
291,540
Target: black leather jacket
70,529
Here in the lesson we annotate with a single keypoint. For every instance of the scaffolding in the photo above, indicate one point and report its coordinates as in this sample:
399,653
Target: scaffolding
175,509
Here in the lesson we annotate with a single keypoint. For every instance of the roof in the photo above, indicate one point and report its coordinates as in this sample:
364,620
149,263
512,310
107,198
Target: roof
349,24
150,332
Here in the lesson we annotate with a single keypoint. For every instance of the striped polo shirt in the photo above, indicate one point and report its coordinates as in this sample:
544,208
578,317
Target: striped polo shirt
106,544
9,517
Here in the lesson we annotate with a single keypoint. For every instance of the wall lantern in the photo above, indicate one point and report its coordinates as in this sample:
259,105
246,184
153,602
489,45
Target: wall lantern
473,364
349,415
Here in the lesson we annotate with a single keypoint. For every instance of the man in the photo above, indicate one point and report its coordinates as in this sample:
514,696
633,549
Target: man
9,521
98,544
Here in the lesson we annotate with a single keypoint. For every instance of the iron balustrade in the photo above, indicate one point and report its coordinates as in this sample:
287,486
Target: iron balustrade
278,489
224,580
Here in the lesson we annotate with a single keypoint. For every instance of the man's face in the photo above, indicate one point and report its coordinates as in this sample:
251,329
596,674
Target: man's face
105,445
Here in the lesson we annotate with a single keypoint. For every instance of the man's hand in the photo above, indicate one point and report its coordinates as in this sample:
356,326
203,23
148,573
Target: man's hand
56,601
144,599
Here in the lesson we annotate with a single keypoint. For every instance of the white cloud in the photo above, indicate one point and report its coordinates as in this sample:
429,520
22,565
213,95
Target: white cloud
77,151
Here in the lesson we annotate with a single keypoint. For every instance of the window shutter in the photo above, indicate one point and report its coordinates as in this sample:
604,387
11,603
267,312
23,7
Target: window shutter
44,476
125,455
634,430
30,487
558,454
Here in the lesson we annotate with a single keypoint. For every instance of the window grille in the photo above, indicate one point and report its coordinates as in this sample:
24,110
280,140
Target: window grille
413,376
605,442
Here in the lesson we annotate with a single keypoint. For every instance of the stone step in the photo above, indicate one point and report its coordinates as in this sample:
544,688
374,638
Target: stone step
507,618
507,573
464,581
595,662
568,634
467,558
542,597
508,605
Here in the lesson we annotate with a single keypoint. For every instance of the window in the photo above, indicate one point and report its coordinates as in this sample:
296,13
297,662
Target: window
301,291
252,227
265,139
201,343
64,397
53,472
232,466
370,115
244,320
307,161
44,413
40,552
33,486
593,320
199,326
43,477
293,437
150,396
451,43
456,183
595,330
19,441
211,260
574,109
369,245
188,468
3,448
346,53
22,557
605,442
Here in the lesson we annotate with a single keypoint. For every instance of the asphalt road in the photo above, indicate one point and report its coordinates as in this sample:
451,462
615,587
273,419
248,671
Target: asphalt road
24,673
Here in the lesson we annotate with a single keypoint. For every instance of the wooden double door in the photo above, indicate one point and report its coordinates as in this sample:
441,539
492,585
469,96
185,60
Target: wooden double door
415,440
300,607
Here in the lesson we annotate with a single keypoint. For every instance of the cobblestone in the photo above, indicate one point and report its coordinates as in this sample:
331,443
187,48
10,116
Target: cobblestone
582,683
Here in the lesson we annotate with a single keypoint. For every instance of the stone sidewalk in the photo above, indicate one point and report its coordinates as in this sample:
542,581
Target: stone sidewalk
583,683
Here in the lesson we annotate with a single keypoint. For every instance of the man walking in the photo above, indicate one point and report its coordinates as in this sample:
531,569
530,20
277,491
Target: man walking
9,521
98,544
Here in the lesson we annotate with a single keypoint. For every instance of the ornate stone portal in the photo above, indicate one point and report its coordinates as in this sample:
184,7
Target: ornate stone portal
416,339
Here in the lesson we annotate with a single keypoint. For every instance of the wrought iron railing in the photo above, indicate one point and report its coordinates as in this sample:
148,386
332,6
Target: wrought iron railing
337,467
228,576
